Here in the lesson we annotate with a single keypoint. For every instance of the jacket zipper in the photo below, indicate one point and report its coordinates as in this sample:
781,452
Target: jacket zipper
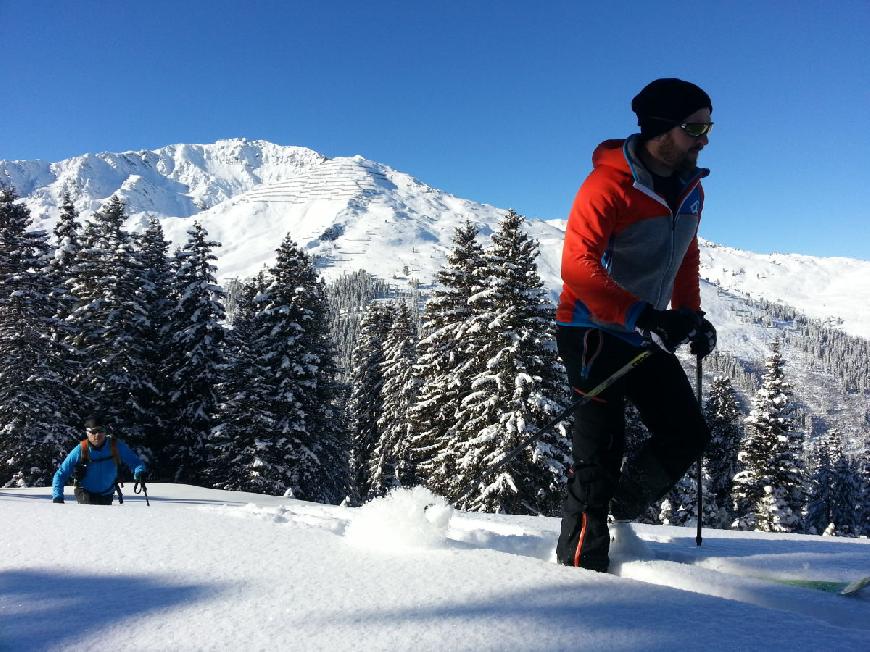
686,192
670,257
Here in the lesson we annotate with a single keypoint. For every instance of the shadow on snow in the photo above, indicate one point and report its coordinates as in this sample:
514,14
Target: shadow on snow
612,616
42,609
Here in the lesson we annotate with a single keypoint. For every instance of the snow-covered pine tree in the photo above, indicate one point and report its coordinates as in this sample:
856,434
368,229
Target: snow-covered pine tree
518,385
109,327
61,273
349,295
67,233
722,413
818,513
846,490
774,514
329,442
242,456
366,403
195,358
391,464
441,356
293,344
35,402
865,495
156,292
769,481
680,506
846,504
234,290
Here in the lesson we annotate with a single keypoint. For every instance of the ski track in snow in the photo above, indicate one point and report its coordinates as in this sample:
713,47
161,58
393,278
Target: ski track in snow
206,569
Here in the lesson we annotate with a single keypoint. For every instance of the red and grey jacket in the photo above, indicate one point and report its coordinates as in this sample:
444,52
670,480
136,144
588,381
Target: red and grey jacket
624,247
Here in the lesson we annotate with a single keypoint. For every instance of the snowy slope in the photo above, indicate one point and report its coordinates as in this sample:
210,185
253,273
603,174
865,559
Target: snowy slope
250,194
209,570
828,289
384,221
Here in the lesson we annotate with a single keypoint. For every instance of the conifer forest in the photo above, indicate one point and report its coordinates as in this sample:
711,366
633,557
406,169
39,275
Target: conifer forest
340,392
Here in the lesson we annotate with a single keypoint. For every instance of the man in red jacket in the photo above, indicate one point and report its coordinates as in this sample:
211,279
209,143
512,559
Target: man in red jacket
631,249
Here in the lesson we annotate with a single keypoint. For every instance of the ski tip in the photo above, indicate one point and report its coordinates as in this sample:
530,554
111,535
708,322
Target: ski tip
854,587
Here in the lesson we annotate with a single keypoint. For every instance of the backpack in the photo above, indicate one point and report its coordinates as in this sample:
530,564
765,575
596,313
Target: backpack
114,445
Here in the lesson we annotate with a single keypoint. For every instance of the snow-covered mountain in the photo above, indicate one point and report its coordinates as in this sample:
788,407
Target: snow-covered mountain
835,290
354,213
173,181
204,569
351,212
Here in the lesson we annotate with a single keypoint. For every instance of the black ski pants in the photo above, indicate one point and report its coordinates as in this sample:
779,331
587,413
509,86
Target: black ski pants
84,497
658,387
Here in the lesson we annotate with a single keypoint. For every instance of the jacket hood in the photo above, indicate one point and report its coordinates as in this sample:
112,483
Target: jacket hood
610,154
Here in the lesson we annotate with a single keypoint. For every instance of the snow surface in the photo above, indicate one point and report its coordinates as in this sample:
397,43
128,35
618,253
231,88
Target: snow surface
202,569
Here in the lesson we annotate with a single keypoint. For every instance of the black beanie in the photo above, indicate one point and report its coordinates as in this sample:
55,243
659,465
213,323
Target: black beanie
94,421
665,102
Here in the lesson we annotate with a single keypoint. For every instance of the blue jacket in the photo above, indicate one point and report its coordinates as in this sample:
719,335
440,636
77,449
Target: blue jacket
102,473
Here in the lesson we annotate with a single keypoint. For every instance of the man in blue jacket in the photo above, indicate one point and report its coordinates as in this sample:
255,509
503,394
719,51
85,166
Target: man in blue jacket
94,463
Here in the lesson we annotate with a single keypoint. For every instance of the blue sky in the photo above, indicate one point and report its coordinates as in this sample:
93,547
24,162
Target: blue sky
498,102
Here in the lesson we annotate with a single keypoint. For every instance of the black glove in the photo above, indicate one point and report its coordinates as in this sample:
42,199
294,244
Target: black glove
140,476
668,328
59,499
704,340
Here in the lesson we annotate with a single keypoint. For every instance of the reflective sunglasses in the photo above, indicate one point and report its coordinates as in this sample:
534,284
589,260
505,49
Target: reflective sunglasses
697,129
94,431
694,129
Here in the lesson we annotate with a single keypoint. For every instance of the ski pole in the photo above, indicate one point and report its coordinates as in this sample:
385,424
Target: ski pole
584,398
698,384
140,488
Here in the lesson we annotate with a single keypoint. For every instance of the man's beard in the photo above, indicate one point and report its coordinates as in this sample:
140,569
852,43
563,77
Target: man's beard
675,158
